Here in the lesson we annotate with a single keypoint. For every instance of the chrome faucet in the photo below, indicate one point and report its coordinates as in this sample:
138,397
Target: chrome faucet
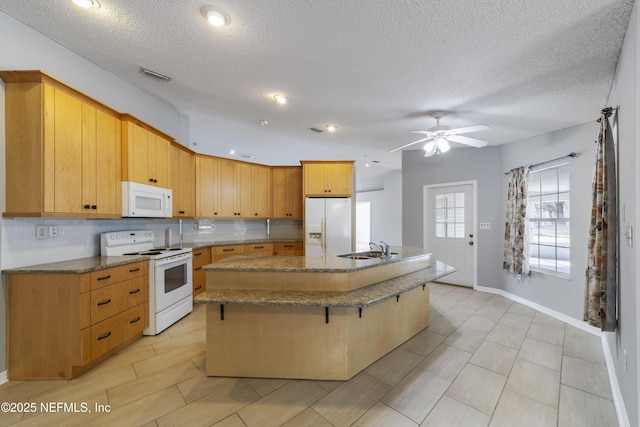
387,248
373,245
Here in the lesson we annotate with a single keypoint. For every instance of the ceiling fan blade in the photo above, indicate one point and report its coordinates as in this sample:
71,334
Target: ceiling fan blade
411,143
467,141
422,132
467,129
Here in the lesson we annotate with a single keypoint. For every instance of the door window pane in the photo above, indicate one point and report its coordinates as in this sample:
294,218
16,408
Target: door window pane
449,215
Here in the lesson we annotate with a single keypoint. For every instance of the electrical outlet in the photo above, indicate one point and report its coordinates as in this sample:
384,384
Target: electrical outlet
41,232
53,231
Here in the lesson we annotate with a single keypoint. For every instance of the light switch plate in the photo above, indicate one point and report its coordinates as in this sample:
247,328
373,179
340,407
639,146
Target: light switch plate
485,226
41,232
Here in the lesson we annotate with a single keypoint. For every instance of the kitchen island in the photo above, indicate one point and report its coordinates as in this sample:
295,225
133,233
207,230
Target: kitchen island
322,318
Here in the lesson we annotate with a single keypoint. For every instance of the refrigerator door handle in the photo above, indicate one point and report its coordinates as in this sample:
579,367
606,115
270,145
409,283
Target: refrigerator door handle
324,233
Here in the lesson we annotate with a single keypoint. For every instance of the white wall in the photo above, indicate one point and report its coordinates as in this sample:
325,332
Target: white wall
562,295
386,209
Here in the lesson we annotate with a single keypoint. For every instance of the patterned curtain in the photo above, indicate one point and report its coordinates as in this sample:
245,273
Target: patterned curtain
601,272
516,245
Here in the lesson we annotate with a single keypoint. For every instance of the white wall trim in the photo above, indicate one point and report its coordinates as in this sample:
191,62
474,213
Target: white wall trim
618,402
3,377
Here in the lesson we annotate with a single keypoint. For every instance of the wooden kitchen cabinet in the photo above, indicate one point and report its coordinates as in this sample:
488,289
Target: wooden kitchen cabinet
183,184
145,153
328,178
288,249
62,146
259,249
286,185
222,252
60,325
201,257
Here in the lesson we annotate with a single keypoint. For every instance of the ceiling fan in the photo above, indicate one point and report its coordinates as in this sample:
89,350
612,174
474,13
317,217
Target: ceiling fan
438,137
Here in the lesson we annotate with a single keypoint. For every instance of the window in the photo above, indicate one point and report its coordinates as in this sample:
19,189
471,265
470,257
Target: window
450,215
549,215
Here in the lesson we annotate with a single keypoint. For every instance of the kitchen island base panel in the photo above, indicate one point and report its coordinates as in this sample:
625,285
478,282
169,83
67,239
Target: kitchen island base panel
309,342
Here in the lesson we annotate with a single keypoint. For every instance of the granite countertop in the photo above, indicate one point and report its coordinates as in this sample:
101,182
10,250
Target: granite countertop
196,245
361,298
77,266
309,264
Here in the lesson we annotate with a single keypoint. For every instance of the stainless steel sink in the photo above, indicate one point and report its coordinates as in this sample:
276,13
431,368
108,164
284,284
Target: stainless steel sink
366,255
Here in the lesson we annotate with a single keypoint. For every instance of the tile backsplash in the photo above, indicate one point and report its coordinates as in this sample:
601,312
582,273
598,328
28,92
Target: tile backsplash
80,238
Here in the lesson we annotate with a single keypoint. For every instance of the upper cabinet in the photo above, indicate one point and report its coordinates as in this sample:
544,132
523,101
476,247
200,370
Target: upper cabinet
62,150
183,181
328,178
286,183
145,153
230,189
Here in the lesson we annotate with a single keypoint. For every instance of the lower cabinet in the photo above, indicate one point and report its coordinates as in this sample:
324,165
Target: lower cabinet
288,249
259,249
201,257
60,325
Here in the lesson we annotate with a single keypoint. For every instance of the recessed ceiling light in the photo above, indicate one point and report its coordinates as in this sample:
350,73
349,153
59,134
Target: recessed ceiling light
232,151
331,128
95,4
215,16
280,99
262,122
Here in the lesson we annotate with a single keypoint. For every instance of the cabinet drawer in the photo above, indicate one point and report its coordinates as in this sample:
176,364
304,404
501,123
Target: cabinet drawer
112,332
201,256
221,252
117,274
288,249
199,281
111,300
255,248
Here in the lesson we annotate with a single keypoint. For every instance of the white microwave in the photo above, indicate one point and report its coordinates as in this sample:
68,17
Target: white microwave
145,201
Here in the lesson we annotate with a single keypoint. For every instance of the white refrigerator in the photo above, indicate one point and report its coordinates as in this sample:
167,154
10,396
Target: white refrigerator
328,226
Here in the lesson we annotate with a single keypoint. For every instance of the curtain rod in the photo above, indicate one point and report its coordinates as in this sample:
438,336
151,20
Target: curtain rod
571,154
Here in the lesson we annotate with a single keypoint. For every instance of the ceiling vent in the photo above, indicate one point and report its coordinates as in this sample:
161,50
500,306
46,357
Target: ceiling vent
248,156
316,130
154,74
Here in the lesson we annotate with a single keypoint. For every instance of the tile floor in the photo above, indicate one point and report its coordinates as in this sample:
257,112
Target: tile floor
483,361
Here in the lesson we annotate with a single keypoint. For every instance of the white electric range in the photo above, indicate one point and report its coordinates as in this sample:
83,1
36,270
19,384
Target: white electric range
170,275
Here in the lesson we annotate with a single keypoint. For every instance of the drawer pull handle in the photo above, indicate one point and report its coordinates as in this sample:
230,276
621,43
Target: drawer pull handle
197,268
104,302
105,277
135,320
134,292
107,335
258,247
198,288
134,270
197,254
228,250
288,246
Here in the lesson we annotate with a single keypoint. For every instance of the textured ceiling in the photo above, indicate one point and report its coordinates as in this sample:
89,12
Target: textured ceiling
375,68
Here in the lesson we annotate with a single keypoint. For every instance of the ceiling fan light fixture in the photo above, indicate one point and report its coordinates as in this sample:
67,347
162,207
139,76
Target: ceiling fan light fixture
429,149
443,145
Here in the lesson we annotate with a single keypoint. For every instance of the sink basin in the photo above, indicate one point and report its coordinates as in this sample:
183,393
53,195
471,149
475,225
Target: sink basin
366,255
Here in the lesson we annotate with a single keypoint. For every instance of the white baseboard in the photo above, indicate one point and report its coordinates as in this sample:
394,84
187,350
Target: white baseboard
3,377
623,419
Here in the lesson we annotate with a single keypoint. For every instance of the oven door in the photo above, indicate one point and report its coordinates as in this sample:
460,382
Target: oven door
173,280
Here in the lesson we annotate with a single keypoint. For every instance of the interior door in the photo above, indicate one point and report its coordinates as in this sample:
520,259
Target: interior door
449,229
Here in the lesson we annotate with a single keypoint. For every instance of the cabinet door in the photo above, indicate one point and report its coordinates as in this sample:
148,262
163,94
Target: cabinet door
315,179
188,184
295,194
243,190
158,160
340,178
261,190
137,153
108,197
226,189
67,154
286,187
89,162
205,186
